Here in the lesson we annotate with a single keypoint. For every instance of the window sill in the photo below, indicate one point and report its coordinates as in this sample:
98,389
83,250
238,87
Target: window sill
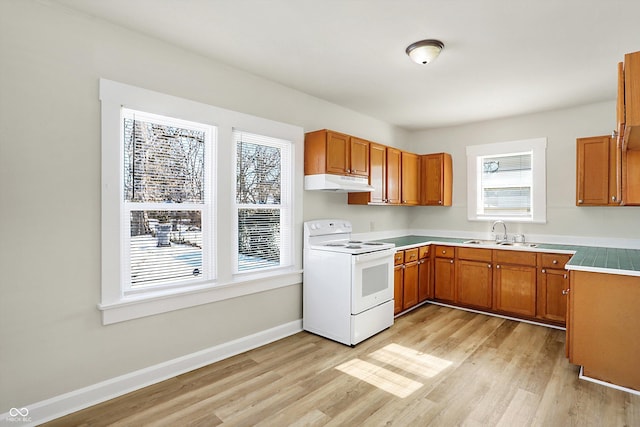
150,303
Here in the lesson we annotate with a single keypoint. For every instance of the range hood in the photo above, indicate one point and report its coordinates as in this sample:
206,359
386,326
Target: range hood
338,183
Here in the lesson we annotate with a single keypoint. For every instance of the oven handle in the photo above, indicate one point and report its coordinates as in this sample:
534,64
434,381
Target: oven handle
373,255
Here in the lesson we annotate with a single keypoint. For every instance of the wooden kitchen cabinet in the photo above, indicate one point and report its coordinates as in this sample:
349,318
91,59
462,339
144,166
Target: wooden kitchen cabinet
553,286
398,278
394,176
603,326
474,277
336,153
425,284
514,286
410,280
444,273
598,171
631,76
410,187
377,178
436,179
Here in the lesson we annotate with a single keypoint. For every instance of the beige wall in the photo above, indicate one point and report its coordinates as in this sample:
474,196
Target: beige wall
51,337
561,128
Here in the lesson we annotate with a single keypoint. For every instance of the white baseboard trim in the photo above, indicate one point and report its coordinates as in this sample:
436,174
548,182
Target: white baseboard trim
606,384
76,400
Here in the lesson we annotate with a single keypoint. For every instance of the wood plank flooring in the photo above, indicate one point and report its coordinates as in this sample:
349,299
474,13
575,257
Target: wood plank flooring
436,366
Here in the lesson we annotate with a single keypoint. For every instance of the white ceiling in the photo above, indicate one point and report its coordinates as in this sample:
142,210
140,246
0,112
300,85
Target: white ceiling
501,57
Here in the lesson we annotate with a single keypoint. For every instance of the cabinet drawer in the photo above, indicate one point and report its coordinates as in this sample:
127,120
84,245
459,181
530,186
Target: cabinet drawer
474,254
398,258
411,255
514,257
444,251
554,260
423,252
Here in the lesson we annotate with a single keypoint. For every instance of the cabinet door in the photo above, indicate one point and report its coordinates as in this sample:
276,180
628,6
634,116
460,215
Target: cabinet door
436,179
359,157
398,277
474,283
425,286
394,175
410,285
515,289
553,285
410,179
592,180
337,153
378,172
444,279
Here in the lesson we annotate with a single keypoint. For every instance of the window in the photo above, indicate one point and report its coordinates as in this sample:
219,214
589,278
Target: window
167,207
168,242
507,181
263,202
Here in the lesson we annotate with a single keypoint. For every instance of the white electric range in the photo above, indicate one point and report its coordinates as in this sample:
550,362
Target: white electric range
348,284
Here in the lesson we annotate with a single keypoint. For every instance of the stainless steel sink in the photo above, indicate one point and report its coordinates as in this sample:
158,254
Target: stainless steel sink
494,243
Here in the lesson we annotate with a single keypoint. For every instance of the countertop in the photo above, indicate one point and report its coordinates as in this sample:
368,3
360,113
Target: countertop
585,258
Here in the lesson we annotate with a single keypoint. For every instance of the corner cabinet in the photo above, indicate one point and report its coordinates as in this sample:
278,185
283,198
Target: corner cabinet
436,179
335,153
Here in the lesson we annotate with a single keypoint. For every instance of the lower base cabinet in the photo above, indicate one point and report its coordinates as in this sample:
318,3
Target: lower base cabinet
604,321
515,289
474,277
444,279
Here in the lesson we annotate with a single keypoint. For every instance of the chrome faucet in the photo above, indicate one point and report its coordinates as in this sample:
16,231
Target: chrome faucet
493,230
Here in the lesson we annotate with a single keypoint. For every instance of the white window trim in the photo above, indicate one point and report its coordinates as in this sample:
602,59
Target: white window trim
539,188
118,307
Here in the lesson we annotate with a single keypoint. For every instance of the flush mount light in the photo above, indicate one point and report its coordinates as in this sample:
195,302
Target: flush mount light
424,51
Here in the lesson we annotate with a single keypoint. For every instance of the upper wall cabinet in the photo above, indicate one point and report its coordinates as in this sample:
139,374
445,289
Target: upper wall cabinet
436,179
597,166
629,109
335,153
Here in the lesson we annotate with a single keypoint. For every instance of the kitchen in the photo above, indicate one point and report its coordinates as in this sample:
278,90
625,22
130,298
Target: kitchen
58,343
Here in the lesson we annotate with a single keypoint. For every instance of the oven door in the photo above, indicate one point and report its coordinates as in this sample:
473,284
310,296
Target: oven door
372,280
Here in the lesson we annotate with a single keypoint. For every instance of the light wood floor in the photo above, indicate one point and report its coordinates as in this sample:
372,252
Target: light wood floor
436,366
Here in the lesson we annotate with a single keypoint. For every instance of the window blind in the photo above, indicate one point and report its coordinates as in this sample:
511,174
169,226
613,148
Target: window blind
506,185
166,198
263,201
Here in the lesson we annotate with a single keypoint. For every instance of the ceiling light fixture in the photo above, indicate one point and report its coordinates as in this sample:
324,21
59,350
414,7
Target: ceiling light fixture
424,51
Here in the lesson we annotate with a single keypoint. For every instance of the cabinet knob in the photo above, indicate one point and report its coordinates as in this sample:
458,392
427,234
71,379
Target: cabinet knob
439,202
565,291
348,170
488,265
580,201
555,261
498,266
564,276
613,198
444,252
544,271
451,261
404,201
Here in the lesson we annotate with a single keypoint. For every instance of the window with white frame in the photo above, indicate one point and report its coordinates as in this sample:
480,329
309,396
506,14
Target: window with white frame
167,206
262,202
167,162
507,181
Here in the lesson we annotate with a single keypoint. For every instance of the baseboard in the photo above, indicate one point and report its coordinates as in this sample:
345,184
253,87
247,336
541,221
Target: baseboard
582,376
76,400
